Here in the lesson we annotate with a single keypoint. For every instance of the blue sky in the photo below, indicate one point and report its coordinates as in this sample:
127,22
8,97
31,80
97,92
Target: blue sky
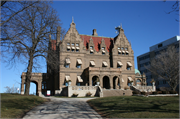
144,23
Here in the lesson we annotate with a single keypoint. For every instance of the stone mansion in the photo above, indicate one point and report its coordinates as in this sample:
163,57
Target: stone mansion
86,60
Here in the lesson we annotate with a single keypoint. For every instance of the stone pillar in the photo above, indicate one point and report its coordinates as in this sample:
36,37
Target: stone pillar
22,85
39,87
90,80
121,83
116,83
101,81
111,82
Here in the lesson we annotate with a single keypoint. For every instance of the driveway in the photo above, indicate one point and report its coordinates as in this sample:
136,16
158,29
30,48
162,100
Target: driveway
63,108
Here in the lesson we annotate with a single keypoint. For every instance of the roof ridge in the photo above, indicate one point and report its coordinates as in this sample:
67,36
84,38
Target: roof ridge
96,36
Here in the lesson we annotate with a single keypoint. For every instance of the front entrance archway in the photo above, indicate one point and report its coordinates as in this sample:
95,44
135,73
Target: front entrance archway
106,82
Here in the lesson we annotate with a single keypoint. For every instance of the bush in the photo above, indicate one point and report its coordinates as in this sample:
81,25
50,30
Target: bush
159,92
127,87
88,94
154,93
165,92
143,93
172,92
136,92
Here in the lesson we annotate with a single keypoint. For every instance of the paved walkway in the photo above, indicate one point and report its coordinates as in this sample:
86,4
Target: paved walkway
63,108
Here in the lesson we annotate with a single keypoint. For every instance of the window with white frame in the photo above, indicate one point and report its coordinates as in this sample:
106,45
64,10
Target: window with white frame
79,63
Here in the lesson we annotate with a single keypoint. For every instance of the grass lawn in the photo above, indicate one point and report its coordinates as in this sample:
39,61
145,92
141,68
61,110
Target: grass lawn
16,105
136,107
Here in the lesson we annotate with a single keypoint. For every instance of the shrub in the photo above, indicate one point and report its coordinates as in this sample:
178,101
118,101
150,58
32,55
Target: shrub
88,94
136,92
75,94
154,93
172,92
143,93
165,92
159,92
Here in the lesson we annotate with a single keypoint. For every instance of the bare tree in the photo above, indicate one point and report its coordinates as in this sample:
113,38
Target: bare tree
165,65
25,37
11,89
9,9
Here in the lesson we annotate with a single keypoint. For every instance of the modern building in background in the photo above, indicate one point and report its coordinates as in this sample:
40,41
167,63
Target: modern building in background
144,60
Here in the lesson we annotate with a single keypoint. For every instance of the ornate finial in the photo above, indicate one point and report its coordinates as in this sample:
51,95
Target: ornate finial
72,19
121,25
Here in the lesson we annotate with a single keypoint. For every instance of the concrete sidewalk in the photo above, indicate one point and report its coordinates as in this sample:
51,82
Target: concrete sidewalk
63,108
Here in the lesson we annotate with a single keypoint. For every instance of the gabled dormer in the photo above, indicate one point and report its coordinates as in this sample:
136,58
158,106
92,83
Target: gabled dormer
72,41
103,49
121,44
91,46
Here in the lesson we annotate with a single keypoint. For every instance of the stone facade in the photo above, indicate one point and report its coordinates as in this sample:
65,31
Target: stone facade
88,59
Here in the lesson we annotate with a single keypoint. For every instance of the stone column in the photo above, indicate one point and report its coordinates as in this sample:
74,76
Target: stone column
22,85
101,81
116,83
111,82
121,83
90,80
39,88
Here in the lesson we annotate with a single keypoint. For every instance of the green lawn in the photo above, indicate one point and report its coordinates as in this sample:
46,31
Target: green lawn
136,107
16,105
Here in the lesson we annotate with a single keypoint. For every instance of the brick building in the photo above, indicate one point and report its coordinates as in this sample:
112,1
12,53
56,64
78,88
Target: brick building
88,59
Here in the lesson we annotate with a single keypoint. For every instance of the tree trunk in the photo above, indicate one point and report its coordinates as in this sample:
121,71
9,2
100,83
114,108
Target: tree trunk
28,75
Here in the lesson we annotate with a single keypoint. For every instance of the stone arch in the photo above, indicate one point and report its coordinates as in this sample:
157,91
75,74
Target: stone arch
138,82
106,82
116,82
36,83
94,80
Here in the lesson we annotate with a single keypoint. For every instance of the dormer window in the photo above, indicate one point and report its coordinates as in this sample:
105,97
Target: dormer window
126,48
103,50
91,47
72,44
122,48
77,49
68,48
119,52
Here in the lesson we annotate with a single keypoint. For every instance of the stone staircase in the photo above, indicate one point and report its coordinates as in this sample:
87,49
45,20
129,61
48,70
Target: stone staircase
116,92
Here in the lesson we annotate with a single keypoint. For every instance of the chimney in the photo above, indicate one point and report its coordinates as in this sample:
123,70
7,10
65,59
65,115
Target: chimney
58,35
94,32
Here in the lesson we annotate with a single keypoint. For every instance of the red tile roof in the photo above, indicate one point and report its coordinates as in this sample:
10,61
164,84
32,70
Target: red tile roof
97,41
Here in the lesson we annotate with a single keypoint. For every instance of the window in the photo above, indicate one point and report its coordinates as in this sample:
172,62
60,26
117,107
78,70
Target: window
123,52
91,47
67,65
119,48
164,82
104,64
92,64
119,52
77,50
119,64
72,44
77,44
122,48
126,48
43,85
68,43
79,63
129,65
72,50
103,51
68,48
127,52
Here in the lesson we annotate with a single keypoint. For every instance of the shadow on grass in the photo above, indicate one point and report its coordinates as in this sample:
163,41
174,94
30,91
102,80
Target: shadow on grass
114,105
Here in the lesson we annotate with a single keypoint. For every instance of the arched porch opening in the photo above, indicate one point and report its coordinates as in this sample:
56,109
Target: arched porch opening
116,82
94,80
33,88
106,84
138,82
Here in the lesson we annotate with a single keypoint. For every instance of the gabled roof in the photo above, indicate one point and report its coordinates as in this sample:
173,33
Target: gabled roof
97,41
